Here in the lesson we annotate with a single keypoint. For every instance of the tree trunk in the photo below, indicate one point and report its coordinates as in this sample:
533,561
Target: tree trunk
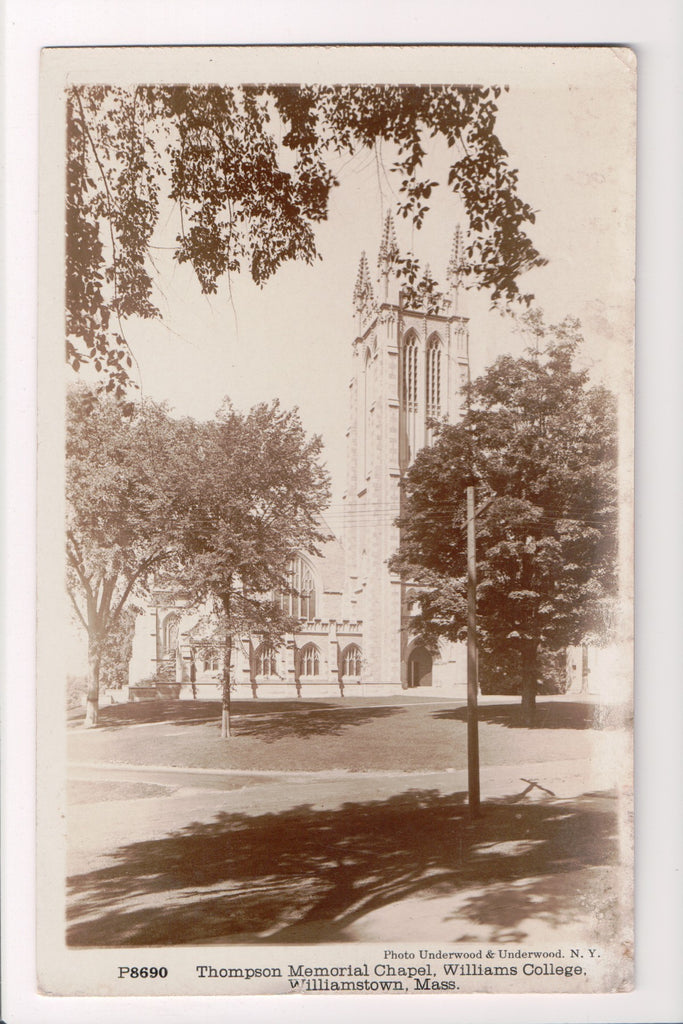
225,712
227,662
92,707
529,683
584,668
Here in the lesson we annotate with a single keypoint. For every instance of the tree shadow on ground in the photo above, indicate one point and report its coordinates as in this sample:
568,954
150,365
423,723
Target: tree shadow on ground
278,719
116,716
308,874
552,714
255,722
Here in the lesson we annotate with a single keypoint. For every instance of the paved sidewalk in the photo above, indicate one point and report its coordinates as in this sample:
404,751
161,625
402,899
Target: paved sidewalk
227,857
563,779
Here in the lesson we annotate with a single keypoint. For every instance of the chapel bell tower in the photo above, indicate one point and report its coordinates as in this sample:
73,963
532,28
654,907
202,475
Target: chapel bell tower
409,366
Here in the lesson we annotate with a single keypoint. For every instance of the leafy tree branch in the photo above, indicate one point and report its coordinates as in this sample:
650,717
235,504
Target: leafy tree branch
250,202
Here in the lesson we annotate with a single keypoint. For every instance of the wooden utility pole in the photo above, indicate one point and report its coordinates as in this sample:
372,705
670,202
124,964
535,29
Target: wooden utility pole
472,683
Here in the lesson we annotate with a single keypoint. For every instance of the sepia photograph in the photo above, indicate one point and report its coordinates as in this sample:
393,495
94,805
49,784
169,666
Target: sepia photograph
335,520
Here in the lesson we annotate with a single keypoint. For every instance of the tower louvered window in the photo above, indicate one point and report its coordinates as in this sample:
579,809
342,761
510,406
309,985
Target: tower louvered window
410,375
410,401
433,378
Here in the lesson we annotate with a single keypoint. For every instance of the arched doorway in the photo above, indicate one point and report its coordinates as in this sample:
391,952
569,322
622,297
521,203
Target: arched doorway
419,668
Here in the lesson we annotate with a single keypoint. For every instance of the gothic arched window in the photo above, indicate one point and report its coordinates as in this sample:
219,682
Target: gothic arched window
211,660
365,413
351,662
266,661
169,635
463,381
300,601
309,661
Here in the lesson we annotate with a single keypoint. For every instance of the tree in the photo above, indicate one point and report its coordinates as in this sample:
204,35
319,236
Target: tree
246,201
124,491
542,445
256,497
118,649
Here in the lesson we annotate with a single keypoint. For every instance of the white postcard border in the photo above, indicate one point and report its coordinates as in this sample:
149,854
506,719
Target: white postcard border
20,292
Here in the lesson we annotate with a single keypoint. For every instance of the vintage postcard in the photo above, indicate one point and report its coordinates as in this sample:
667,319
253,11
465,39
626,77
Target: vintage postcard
335,520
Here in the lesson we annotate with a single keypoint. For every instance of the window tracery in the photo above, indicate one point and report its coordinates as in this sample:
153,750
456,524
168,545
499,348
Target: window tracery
211,660
300,602
309,661
266,661
351,662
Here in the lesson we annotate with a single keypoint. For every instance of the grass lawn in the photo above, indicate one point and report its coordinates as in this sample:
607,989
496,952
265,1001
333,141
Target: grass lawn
380,734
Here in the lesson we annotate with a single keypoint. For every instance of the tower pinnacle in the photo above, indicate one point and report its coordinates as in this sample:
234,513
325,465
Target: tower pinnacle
457,267
362,293
388,251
